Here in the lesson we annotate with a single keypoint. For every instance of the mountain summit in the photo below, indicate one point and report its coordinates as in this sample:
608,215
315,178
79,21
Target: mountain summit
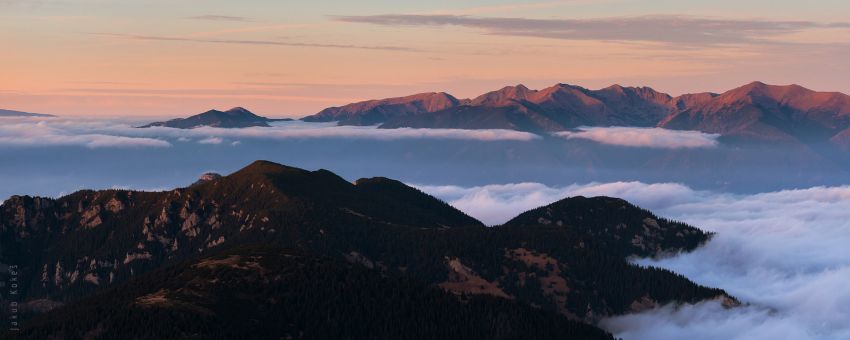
236,117
556,108
767,112
373,112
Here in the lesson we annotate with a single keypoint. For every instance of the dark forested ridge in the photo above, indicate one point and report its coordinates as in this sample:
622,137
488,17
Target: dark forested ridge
622,227
568,258
264,292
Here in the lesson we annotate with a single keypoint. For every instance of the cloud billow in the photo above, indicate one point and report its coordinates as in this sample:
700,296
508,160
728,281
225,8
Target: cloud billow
30,132
211,140
644,137
783,253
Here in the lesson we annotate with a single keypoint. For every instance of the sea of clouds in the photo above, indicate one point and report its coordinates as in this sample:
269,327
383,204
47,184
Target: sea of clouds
121,133
784,254
112,133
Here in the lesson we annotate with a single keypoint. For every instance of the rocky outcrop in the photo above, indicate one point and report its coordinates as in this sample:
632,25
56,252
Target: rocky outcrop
207,177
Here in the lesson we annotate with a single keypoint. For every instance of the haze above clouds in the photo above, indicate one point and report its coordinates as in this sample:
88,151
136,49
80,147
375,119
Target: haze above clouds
785,252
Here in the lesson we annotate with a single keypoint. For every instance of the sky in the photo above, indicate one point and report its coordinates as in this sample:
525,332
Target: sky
292,58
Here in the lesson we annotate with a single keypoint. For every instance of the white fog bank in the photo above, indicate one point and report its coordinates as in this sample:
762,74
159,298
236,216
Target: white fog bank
644,137
786,253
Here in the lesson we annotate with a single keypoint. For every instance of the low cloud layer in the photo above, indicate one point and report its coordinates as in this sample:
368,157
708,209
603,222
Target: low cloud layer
672,29
301,130
644,137
785,253
39,132
34,132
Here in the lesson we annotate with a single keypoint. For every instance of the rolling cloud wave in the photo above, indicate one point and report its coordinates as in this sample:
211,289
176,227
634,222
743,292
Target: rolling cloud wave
644,137
783,253
39,132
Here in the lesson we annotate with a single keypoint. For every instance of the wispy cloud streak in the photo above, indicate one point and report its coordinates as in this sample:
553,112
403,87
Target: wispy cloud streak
211,17
254,42
684,30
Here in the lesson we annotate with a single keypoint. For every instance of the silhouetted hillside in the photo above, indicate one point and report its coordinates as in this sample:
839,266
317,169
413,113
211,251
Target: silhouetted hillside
271,293
72,247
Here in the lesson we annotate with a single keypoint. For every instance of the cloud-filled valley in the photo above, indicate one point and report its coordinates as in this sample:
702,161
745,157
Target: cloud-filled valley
783,253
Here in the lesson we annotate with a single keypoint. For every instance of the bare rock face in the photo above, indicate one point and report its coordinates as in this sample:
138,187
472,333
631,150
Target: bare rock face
29,214
463,279
190,225
207,177
91,217
115,205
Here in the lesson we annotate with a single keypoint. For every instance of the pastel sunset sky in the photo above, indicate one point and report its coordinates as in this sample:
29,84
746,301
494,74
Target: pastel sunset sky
293,58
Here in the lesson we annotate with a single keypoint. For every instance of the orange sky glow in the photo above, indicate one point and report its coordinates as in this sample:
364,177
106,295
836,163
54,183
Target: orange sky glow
175,58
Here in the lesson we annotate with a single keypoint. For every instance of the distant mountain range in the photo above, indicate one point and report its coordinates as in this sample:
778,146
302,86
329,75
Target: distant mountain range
236,117
755,111
11,113
272,250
